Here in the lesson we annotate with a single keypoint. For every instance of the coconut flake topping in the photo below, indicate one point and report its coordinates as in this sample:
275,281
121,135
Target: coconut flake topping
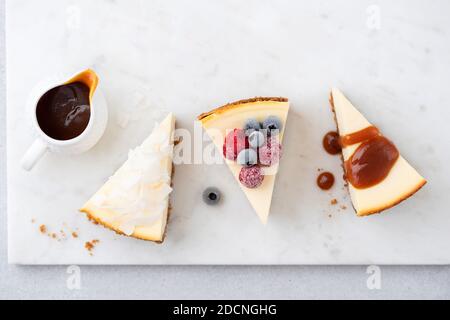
139,190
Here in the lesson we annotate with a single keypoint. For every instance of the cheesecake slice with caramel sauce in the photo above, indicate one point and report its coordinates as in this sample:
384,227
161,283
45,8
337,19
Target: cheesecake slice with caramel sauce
378,176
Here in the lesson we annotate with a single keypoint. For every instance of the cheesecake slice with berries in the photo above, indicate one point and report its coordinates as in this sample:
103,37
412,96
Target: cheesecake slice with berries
249,134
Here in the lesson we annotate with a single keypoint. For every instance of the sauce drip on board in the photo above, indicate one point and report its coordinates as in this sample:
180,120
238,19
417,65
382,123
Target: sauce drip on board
331,143
325,180
63,112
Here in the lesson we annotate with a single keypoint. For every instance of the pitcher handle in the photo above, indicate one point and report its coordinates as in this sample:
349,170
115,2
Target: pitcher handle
33,154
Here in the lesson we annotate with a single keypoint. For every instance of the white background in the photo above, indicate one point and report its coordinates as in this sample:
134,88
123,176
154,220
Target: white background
209,282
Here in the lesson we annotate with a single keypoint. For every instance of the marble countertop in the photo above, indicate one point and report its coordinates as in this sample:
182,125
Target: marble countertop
210,282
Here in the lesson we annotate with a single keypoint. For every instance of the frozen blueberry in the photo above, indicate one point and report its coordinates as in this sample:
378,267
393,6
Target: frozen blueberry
251,125
211,195
272,124
256,139
247,157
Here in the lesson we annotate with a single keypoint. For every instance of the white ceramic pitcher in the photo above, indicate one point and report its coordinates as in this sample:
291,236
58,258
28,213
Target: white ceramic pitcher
83,142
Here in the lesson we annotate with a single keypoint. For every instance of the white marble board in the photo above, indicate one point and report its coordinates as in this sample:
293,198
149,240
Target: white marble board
188,57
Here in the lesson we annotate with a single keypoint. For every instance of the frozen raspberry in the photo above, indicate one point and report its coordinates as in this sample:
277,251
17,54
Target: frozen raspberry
235,142
270,153
273,140
251,177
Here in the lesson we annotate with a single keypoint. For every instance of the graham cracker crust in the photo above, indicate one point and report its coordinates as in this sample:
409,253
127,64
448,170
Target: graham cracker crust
235,104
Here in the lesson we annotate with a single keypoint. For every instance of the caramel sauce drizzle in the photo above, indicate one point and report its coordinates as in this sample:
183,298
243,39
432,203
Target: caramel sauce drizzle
372,160
359,136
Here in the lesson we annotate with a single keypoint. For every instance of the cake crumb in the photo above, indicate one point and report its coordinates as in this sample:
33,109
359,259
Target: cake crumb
90,245
343,207
53,235
74,234
43,228
334,202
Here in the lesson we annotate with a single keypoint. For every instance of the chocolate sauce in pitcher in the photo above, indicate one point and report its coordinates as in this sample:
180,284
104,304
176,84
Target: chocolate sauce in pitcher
63,112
